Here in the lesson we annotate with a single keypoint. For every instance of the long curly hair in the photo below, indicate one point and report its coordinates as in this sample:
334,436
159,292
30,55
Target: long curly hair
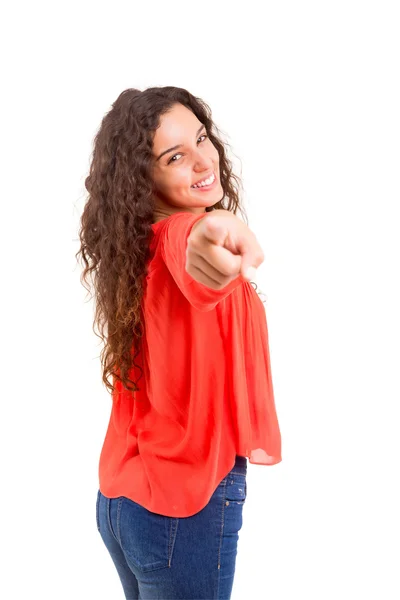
115,227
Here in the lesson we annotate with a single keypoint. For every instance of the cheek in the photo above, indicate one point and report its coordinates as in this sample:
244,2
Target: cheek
173,181
180,179
174,184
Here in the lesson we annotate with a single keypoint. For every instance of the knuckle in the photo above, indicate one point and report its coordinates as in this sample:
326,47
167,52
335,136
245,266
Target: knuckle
188,266
192,241
189,245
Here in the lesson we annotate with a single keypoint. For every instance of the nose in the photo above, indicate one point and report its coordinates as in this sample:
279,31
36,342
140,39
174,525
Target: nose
202,163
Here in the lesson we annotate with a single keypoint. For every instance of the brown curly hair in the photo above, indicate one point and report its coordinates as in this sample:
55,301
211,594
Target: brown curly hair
115,228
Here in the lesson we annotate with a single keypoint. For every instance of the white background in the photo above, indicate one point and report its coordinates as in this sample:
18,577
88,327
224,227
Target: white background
308,96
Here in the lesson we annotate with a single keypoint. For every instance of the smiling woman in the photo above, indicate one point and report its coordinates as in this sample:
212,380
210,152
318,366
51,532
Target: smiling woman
137,178
172,469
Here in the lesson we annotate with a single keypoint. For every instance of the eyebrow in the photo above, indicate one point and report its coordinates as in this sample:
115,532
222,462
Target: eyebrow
178,146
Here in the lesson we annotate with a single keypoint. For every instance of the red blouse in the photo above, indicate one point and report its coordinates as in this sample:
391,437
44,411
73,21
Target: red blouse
206,390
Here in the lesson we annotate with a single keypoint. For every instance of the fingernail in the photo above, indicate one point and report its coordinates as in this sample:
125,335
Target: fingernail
251,273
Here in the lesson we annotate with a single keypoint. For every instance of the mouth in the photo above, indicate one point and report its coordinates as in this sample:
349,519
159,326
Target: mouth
205,187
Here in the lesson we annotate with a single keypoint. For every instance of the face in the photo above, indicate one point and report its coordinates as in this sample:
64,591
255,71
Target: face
179,168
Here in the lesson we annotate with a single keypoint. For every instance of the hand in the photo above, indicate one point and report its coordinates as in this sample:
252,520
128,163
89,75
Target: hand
221,247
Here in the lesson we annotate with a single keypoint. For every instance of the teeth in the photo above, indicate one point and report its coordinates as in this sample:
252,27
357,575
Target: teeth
205,182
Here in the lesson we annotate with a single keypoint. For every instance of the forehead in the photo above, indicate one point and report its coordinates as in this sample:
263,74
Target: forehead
177,125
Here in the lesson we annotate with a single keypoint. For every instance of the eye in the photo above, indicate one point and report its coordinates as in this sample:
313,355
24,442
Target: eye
170,160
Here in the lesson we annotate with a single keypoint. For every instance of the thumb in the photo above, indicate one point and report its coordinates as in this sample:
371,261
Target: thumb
215,232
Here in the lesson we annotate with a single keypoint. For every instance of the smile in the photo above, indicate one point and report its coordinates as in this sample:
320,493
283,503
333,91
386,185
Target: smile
206,184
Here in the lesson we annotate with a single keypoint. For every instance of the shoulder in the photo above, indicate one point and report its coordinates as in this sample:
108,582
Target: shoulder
177,227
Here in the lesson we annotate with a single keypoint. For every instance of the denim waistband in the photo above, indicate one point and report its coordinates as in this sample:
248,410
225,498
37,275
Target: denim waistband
240,464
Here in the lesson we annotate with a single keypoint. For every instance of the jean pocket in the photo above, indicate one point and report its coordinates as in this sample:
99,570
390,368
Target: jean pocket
97,511
236,488
146,538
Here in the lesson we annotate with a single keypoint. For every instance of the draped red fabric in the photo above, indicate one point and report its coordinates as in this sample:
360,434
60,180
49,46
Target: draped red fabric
206,391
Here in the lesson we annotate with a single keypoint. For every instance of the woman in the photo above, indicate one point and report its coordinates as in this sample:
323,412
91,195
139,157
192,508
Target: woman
186,345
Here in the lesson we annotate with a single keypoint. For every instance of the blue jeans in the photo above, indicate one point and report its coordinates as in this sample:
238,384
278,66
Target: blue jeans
176,558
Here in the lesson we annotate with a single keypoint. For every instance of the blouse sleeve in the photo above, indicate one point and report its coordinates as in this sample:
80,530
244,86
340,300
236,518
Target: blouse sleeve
173,242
